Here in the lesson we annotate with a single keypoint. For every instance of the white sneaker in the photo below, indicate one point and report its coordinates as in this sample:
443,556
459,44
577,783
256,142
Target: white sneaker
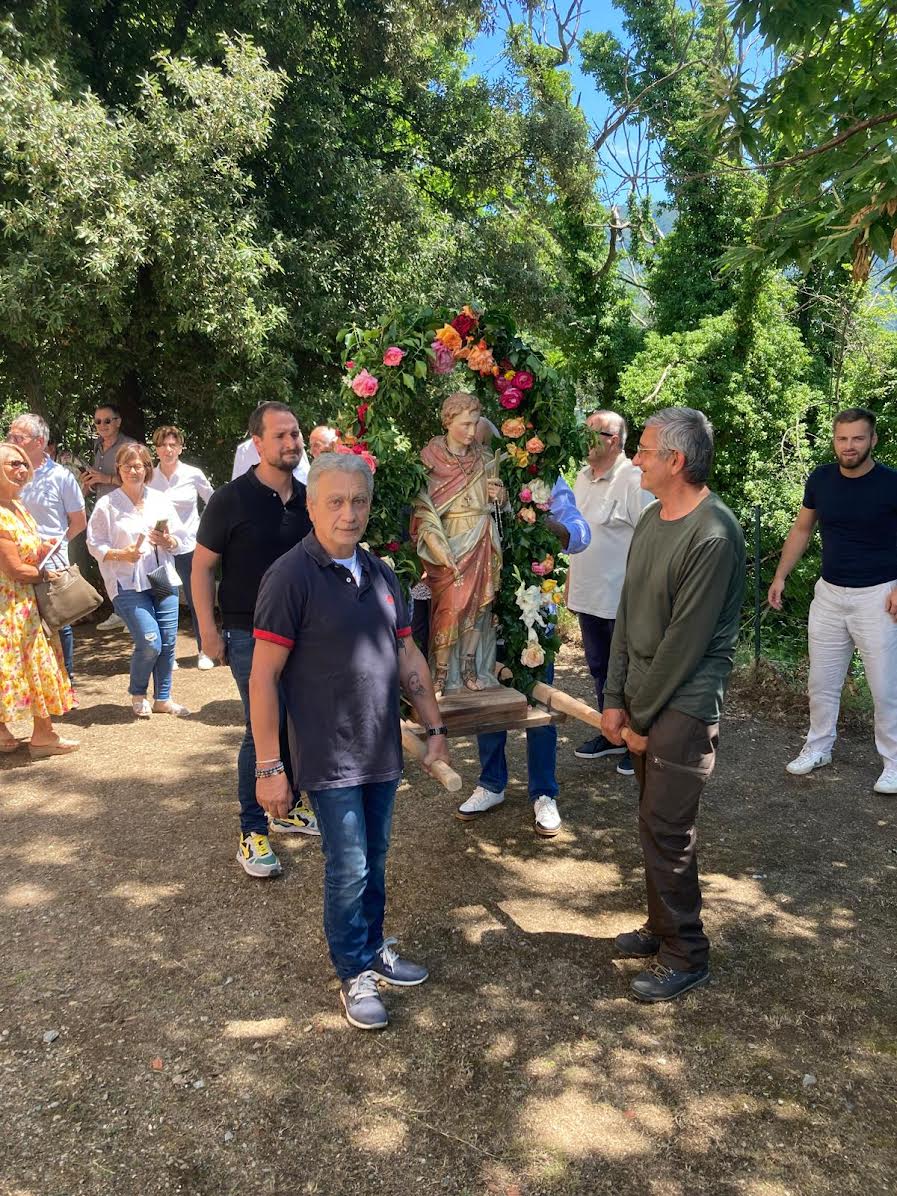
111,623
803,764
887,782
205,662
141,707
480,802
546,816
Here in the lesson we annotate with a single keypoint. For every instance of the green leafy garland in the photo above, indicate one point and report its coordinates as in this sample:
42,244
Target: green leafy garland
396,377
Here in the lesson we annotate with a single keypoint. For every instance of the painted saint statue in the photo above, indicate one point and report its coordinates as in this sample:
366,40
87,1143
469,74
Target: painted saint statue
454,527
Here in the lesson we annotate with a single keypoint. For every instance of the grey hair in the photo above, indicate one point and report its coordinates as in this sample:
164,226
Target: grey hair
33,425
689,432
621,428
338,463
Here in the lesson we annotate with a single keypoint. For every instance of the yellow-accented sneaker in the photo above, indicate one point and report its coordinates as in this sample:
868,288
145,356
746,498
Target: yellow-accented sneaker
299,821
256,857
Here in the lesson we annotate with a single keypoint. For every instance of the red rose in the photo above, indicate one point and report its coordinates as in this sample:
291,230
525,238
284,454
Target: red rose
501,384
523,380
511,398
362,411
393,546
464,324
533,469
350,365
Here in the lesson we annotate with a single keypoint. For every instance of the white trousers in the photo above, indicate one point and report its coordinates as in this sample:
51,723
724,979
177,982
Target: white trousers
841,619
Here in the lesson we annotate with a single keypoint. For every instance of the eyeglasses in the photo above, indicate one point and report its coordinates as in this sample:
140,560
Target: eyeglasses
111,420
607,435
17,464
640,451
19,438
134,467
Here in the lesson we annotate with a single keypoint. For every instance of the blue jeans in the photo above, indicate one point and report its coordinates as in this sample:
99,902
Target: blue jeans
67,639
184,566
153,624
541,757
240,644
354,823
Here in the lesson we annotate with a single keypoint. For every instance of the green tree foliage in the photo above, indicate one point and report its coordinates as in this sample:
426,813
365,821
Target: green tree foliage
216,210
756,400
661,78
822,129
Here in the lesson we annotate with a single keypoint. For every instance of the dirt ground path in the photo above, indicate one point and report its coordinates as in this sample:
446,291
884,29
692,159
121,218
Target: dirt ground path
168,1025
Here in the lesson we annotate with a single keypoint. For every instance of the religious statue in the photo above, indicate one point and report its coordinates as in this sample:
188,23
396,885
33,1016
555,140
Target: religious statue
456,533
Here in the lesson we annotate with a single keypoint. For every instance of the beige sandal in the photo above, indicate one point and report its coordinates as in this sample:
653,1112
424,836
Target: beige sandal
61,747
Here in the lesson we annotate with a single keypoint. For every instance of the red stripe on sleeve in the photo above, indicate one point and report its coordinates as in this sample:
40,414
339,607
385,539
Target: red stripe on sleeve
401,632
259,634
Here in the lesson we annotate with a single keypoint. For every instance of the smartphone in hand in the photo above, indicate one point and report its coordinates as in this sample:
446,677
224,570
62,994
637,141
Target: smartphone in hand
162,525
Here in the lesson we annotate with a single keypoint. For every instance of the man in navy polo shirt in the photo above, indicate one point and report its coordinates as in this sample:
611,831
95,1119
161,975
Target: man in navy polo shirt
332,634
854,501
245,527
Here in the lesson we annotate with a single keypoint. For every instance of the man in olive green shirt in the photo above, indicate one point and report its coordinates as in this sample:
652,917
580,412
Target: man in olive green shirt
671,655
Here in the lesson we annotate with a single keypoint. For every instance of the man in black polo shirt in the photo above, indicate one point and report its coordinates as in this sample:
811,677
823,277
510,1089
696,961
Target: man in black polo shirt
854,501
246,526
332,634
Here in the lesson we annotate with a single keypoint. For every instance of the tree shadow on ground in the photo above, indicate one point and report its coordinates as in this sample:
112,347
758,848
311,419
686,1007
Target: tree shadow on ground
200,1048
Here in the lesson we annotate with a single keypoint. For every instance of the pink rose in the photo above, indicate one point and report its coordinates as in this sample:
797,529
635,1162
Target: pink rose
511,398
370,461
539,569
393,355
526,515
365,385
523,380
350,365
526,495
534,445
444,359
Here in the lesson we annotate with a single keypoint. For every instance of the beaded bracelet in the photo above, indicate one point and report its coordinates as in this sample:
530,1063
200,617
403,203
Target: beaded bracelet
261,773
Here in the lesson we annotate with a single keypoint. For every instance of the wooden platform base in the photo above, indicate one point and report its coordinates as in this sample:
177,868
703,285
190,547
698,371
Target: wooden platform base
498,709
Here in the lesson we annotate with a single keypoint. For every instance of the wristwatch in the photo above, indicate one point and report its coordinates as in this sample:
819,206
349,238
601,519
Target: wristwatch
443,730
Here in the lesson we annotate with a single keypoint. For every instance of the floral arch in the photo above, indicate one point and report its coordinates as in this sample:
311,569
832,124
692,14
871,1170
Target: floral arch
397,375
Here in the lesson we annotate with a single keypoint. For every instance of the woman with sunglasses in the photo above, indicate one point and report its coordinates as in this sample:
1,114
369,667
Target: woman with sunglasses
133,532
32,671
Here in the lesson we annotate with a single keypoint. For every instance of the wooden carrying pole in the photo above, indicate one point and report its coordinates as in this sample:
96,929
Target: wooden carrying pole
446,776
556,699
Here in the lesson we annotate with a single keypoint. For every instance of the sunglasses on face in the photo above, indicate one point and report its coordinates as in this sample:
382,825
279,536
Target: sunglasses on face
97,422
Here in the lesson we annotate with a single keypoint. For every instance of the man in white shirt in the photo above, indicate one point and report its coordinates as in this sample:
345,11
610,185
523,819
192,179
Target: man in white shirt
609,495
54,500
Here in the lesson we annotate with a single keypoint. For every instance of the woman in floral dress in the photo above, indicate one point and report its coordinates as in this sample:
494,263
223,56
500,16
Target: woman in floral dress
32,672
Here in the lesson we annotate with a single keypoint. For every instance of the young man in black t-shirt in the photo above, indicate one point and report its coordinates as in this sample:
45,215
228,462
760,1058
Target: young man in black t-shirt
247,525
854,501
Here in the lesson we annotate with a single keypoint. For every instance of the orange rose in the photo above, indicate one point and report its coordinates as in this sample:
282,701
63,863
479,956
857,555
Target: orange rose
534,445
449,338
512,428
526,515
480,359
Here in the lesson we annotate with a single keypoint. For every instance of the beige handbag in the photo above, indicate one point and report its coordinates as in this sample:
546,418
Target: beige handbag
65,598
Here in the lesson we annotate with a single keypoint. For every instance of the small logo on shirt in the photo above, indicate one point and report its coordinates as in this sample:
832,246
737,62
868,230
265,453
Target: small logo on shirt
390,600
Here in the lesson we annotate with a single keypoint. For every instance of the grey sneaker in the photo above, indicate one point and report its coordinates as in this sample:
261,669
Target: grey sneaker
111,623
361,1001
390,966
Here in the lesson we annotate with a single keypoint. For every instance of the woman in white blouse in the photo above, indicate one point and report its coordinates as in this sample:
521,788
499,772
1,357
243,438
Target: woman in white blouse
134,530
184,485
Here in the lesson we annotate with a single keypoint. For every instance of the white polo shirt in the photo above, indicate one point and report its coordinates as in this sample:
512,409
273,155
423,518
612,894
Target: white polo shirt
612,505
185,486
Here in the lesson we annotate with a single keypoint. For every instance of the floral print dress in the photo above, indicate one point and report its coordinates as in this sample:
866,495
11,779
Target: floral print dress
32,672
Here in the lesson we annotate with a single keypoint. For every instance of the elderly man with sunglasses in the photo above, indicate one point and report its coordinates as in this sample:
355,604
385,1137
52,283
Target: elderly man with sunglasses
101,477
